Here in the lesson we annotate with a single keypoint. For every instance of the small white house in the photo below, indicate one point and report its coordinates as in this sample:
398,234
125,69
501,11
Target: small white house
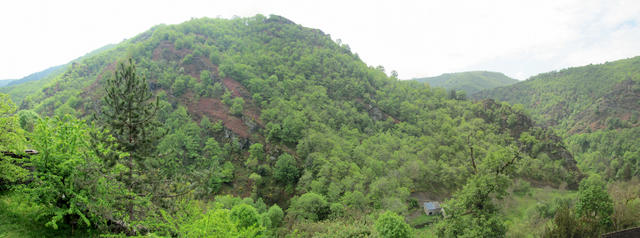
432,208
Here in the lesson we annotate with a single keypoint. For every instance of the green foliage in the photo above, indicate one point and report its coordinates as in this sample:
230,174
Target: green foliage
355,200
309,206
362,141
471,212
220,222
28,119
594,203
205,77
566,225
256,155
129,116
275,216
244,216
614,154
390,225
236,106
591,215
226,98
68,179
179,86
217,90
12,140
576,99
286,170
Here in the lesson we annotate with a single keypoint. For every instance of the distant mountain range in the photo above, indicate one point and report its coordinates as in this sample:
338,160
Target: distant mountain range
4,82
31,77
471,82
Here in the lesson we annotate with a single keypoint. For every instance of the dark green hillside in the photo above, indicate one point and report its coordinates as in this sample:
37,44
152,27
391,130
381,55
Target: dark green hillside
296,124
470,82
579,99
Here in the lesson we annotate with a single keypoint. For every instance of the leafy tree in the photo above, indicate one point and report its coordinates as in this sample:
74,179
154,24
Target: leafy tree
219,223
594,203
256,154
68,176
286,170
244,215
11,141
275,215
218,90
471,212
565,225
226,98
354,200
205,77
237,106
179,86
310,206
28,119
391,225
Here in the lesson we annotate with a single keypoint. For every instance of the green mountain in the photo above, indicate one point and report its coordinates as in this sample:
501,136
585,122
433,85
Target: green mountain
470,82
280,114
36,76
31,85
596,106
580,99
4,82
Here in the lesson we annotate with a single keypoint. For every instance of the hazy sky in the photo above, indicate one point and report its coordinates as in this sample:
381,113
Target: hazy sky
416,38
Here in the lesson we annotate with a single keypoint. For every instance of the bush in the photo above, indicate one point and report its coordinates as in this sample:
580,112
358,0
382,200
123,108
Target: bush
244,215
286,170
309,206
392,225
275,215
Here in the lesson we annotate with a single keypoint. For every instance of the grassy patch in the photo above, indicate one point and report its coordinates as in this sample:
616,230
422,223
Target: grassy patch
522,219
19,218
424,220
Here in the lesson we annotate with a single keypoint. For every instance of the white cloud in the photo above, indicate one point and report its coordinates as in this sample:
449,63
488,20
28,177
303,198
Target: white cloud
416,38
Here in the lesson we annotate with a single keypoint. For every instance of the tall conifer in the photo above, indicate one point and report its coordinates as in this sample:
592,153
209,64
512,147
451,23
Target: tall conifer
129,113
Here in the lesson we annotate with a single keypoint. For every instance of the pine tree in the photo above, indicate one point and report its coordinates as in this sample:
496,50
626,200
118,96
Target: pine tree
129,114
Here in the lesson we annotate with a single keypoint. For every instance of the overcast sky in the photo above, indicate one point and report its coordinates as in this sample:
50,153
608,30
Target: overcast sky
416,38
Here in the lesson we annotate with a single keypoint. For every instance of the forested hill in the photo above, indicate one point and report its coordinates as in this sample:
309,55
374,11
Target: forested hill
279,114
580,99
5,82
470,82
36,76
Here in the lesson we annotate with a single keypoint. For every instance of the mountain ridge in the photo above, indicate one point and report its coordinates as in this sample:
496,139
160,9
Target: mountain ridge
469,81
563,98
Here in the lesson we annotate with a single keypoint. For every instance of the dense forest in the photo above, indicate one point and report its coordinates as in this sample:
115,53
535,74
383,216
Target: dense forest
259,127
469,82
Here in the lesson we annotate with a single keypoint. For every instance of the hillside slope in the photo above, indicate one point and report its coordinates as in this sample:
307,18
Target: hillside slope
23,90
579,99
4,82
36,76
280,111
470,82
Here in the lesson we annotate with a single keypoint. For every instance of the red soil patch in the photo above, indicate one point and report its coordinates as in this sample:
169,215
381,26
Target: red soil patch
167,51
211,107
216,110
237,90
